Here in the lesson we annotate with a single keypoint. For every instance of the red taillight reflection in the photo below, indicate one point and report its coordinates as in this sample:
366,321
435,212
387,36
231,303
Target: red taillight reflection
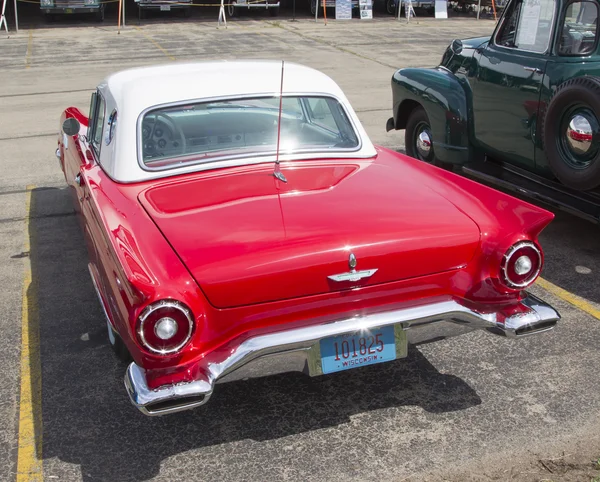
521,265
153,339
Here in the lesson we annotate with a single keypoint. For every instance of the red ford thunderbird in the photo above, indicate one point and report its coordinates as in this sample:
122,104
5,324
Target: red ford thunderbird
240,223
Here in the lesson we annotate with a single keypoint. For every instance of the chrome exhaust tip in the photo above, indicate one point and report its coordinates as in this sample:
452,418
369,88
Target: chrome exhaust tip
164,400
535,317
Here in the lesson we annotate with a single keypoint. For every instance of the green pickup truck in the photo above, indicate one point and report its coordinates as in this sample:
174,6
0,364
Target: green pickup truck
520,109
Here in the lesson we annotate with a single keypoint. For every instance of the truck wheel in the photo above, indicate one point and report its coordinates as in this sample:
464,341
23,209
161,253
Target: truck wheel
231,10
100,15
116,343
571,133
313,7
417,138
274,11
390,7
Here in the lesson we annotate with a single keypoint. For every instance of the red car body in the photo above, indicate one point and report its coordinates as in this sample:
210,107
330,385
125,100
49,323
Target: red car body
251,256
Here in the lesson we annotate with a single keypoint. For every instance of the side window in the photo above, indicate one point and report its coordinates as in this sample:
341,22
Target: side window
579,30
528,25
98,124
507,34
321,114
92,115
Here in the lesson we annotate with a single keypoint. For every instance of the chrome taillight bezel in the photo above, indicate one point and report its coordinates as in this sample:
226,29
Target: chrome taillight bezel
507,257
173,304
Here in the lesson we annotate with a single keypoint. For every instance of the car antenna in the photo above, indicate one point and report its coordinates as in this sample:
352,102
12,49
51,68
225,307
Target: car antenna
277,172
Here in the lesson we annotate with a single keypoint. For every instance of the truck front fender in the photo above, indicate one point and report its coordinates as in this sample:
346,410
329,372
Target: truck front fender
446,102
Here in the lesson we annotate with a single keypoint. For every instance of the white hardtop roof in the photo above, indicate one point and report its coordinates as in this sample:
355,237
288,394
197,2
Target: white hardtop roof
140,88
133,91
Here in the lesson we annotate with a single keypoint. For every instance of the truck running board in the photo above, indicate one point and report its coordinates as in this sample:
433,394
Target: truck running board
583,204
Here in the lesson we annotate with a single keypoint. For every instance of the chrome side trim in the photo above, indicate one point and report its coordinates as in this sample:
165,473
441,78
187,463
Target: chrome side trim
299,349
100,297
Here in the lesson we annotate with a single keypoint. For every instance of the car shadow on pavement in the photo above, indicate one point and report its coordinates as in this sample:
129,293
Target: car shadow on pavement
571,255
89,422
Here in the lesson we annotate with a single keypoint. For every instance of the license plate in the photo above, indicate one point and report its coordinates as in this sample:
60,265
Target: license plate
165,8
353,350
68,10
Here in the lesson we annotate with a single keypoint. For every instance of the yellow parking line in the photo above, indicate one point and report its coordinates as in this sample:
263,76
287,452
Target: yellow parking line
28,54
565,295
29,452
156,44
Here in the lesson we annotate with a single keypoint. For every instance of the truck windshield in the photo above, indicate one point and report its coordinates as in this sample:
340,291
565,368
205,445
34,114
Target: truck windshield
208,131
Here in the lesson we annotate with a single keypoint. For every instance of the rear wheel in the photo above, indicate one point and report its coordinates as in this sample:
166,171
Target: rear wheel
572,133
390,7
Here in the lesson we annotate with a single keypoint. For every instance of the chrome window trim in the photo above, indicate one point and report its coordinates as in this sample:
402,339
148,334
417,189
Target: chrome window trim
249,156
112,123
96,149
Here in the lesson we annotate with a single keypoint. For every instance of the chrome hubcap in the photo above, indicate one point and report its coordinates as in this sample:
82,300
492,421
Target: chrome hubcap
579,134
424,144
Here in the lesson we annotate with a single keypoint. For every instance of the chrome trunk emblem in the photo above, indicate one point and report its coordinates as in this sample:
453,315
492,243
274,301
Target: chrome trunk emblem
353,275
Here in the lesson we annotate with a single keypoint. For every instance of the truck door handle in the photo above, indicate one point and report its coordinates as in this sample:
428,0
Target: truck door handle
79,179
535,70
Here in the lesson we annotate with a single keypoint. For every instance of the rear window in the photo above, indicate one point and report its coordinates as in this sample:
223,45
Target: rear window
209,131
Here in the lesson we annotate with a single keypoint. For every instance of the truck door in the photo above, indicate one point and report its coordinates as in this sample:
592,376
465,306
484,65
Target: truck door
506,91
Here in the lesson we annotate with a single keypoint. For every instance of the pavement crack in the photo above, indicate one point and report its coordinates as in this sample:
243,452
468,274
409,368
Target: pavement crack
29,136
27,94
41,216
337,47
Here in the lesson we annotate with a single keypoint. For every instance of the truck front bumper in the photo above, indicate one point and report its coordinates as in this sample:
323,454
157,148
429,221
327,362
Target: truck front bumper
297,350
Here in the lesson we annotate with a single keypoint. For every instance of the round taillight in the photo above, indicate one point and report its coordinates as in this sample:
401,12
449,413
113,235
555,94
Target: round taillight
521,265
165,327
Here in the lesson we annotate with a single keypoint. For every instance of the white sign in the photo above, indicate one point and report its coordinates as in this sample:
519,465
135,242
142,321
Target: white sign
366,9
343,9
528,25
441,9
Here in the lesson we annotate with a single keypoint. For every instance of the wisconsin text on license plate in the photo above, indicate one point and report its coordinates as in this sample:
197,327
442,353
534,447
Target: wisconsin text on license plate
353,350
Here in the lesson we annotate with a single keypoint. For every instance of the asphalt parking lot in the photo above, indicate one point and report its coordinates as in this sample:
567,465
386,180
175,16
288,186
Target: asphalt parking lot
472,408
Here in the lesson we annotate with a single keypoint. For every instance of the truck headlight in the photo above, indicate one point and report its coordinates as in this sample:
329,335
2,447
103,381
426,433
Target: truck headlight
47,3
90,2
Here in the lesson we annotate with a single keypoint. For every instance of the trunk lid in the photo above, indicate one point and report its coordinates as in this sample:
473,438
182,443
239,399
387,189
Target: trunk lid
248,238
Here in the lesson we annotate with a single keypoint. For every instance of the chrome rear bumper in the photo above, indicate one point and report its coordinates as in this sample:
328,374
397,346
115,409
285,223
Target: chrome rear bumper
299,349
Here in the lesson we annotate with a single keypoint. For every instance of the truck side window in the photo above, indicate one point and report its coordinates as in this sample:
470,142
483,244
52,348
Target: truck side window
528,26
579,30
506,36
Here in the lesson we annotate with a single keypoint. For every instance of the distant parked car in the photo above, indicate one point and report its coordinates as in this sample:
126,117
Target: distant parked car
328,4
520,109
235,7
53,8
184,6
240,223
